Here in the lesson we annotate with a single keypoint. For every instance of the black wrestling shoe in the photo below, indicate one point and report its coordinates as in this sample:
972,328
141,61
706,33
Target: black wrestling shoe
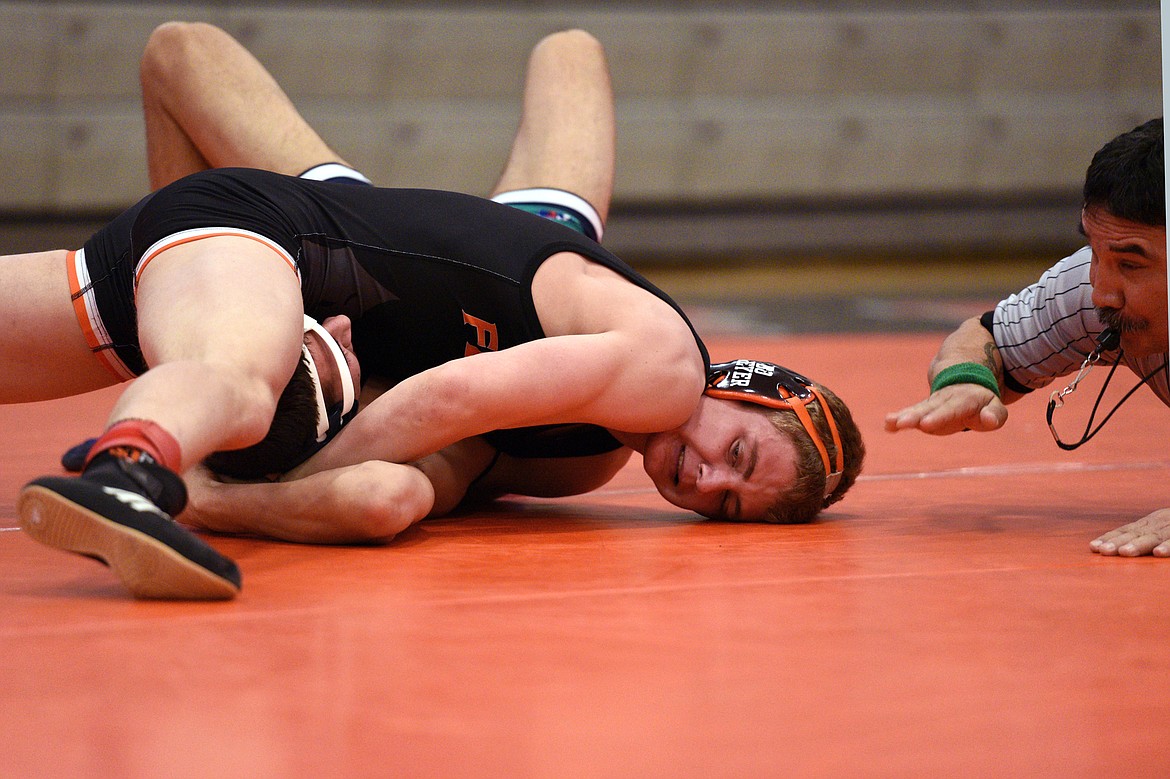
119,512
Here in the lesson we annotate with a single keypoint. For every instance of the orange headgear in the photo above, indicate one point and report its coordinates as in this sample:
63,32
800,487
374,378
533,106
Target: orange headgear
770,385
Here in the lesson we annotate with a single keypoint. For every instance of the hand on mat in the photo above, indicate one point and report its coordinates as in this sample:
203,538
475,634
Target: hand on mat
951,410
1149,535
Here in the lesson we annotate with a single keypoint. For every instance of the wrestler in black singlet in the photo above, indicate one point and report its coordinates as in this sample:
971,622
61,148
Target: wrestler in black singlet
425,276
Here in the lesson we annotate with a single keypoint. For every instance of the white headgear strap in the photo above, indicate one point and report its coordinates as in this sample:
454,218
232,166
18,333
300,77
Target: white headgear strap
348,394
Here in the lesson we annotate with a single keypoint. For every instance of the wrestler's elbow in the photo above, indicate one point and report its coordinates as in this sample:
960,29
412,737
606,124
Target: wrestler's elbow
382,499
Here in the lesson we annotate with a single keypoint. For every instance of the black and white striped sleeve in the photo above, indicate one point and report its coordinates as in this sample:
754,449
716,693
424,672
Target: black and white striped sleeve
1046,330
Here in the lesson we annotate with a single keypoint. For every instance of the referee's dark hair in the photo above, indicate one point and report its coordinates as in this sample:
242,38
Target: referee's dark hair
1127,176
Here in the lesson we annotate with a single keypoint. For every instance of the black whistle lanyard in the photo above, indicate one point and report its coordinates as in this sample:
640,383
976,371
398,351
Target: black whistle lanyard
1056,400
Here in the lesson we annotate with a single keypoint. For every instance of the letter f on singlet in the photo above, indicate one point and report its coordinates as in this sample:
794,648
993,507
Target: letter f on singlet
486,337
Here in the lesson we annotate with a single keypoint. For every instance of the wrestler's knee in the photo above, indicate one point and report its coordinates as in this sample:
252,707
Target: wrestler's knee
241,396
164,40
170,45
565,42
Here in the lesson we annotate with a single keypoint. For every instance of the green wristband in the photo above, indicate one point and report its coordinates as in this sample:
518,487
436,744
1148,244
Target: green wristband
965,373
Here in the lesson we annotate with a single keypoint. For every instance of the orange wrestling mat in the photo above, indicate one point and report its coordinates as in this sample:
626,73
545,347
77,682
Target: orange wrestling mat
946,619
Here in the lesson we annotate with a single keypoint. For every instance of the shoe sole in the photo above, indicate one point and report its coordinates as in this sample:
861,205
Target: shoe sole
147,567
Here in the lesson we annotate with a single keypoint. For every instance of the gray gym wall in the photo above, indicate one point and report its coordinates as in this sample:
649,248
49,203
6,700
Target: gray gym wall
743,128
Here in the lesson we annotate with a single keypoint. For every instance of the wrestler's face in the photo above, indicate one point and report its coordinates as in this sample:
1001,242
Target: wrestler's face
728,461
341,329
1128,274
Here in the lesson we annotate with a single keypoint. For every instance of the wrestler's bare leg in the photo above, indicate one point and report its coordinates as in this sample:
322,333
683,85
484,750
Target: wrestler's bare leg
208,103
219,354
566,137
43,353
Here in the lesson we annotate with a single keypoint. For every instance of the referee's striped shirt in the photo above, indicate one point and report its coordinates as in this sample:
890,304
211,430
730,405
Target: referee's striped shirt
1046,330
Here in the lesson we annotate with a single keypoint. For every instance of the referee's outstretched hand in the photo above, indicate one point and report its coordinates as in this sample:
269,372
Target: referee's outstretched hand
952,409
1149,535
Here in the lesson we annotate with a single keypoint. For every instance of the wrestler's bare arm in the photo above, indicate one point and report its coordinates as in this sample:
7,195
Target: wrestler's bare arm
368,502
372,502
363,503
549,477
602,379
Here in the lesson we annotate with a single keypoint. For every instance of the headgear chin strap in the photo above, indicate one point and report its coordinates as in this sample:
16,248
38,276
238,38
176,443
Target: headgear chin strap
330,420
770,385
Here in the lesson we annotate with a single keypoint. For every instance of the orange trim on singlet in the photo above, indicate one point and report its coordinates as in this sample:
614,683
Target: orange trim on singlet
96,347
269,244
78,299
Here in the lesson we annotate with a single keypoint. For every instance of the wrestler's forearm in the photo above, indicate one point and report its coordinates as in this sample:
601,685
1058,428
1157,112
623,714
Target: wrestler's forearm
601,379
404,425
370,502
